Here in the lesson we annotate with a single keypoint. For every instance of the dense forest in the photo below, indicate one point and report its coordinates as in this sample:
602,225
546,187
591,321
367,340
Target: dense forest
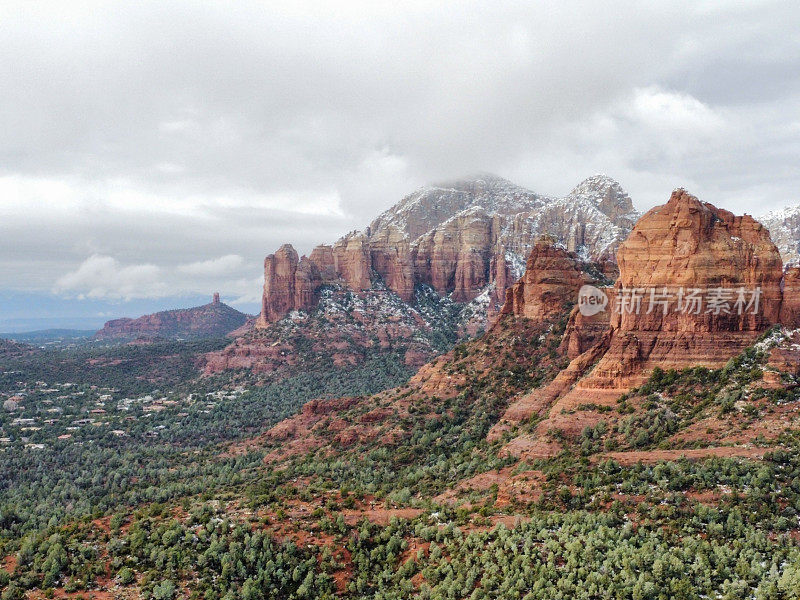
68,467
174,486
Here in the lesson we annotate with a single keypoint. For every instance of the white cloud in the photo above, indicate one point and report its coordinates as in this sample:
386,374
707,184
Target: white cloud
105,278
246,291
169,168
176,133
213,267
673,113
183,126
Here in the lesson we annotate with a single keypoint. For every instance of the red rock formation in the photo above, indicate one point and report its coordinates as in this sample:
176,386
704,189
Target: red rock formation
291,282
280,270
790,307
687,244
210,320
549,287
322,257
352,259
550,284
391,256
454,257
306,281
459,238
584,332
682,244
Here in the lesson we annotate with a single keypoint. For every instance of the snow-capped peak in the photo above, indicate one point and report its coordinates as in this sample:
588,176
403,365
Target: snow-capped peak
606,194
594,217
599,182
784,229
432,205
787,212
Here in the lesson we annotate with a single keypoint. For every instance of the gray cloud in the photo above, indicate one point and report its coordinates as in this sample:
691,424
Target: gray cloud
169,134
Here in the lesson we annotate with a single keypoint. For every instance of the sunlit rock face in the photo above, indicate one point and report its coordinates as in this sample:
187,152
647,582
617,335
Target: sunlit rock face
696,285
684,245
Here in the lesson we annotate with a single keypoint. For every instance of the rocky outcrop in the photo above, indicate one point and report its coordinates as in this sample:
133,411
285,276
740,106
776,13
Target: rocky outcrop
695,249
584,332
280,282
391,255
215,319
454,257
790,306
352,261
697,285
461,238
684,244
550,284
291,282
549,288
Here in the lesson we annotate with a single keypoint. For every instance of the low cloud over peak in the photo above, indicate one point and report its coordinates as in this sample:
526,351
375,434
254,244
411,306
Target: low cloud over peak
159,135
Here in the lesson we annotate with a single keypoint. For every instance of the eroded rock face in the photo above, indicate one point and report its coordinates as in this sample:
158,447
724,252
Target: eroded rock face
790,307
391,255
461,238
322,256
691,245
352,261
550,285
280,274
454,257
684,244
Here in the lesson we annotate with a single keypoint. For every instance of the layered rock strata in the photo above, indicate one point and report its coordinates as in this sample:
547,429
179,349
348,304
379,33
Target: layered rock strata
461,238
697,285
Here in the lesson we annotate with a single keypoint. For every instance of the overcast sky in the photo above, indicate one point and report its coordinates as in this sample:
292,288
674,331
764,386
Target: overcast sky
154,151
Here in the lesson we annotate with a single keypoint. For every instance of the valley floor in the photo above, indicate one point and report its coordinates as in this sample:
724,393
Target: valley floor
687,486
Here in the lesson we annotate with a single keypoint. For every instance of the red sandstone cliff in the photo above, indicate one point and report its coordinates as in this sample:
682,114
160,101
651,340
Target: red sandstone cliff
461,238
790,306
549,288
683,245
687,244
280,282
550,284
